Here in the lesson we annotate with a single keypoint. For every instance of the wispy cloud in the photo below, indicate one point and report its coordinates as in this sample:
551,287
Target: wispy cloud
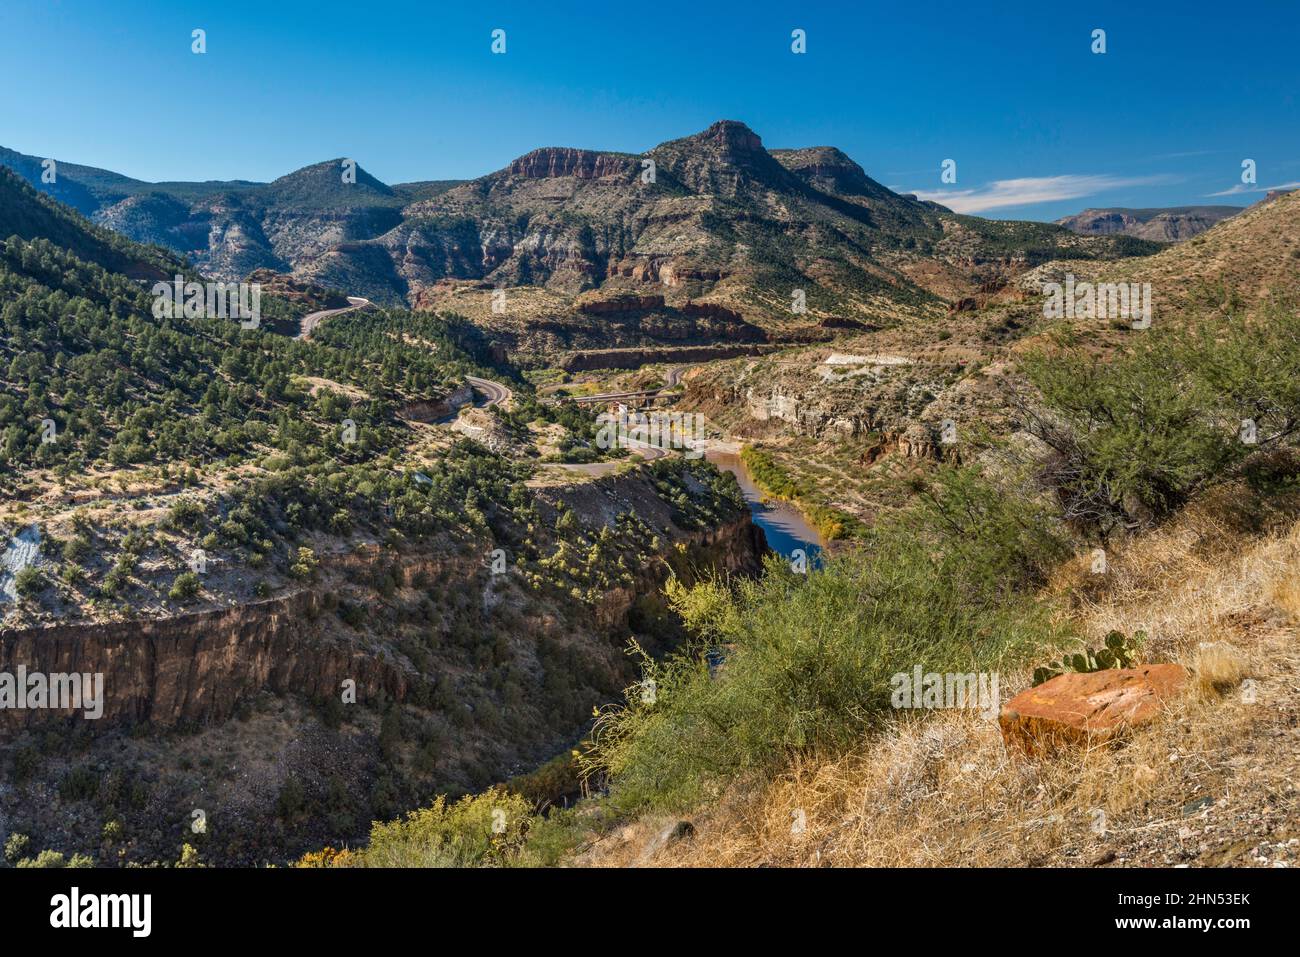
1240,188
1028,190
1186,154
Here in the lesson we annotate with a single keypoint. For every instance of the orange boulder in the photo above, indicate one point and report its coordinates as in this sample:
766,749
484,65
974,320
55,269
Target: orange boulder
1087,708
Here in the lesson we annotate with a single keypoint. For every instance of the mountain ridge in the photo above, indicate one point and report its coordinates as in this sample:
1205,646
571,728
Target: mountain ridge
786,239
1168,224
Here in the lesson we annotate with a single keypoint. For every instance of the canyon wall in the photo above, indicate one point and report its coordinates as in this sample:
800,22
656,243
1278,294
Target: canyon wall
197,668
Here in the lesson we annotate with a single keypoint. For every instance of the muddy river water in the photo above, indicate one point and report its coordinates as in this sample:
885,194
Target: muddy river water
785,527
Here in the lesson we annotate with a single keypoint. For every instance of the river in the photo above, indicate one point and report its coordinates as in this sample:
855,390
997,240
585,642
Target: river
786,529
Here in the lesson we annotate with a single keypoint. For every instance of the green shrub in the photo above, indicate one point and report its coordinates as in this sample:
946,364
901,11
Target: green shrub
292,800
186,514
1137,433
16,846
185,586
479,830
79,784
26,761
549,784
76,549
29,582
809,658
44,859
304,564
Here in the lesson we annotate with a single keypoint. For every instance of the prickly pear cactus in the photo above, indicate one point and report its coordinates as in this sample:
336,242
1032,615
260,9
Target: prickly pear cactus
1119,651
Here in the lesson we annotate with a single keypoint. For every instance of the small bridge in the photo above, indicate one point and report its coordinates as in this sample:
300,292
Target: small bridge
610,396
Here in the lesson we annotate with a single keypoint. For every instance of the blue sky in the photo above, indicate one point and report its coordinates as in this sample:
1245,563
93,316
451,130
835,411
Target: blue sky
1039,125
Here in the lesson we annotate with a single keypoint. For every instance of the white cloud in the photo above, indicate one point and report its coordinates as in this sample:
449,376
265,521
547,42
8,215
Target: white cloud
1240,188
1031,189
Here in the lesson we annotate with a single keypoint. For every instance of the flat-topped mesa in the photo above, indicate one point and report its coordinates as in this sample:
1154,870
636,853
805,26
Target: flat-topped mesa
554,161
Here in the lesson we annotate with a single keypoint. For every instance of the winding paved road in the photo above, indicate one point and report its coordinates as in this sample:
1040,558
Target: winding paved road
495,392
314,319
645,450
674,376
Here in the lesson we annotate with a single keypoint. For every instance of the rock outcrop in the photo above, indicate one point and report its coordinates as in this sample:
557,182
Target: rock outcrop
1088,708
555,161
620,305
435,410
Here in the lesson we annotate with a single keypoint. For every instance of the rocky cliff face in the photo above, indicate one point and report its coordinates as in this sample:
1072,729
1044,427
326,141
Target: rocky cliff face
884,402
552,162
465,675
636,358
885,431
196,669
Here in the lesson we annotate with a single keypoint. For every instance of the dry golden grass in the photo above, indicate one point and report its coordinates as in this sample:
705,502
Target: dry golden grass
1218,666
1212,782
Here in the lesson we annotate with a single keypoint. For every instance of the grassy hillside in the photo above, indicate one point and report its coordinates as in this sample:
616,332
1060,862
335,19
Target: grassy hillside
1239,265
1209,786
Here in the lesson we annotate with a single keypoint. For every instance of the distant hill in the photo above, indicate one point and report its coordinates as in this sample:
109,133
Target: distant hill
229,228
1170,225
1241,263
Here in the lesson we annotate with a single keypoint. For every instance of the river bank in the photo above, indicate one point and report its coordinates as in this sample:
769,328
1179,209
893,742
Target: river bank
784,525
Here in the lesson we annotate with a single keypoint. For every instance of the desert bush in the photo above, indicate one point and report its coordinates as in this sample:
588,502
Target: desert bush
79,784
292,799
44,859
186,514
807,660
1135,435
185,586
29,582
16,846
479,830
26,761
304,564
